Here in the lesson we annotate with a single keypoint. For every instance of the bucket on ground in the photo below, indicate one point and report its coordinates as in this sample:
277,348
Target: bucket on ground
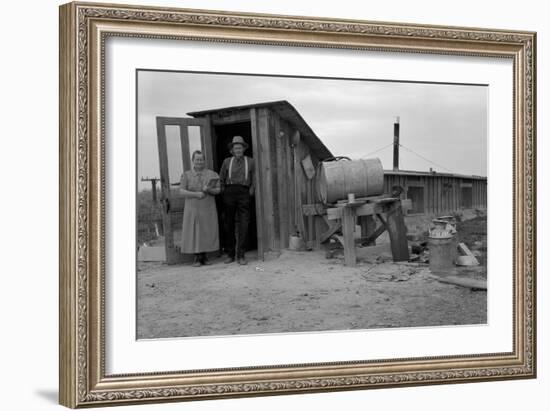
442,244
296,243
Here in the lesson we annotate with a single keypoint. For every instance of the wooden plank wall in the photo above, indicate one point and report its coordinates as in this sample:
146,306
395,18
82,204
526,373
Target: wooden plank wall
280,177
275,204
264,167
258,180
281,196
287,215
441,193
273,132
304,184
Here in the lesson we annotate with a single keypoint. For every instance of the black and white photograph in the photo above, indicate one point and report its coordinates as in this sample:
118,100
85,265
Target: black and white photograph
284,204
275,205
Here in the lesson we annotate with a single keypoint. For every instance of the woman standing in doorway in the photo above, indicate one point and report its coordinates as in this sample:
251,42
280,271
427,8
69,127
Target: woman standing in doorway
200,218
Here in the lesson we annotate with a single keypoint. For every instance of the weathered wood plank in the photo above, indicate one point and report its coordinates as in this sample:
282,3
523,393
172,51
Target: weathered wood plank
348,231
371,238
289,170
232,117
334,226
267,179
463,282
367,199
273,122
368,228
282,193
398,233
206,137
299,187
258,182
173,255
367,209
313,209
184,143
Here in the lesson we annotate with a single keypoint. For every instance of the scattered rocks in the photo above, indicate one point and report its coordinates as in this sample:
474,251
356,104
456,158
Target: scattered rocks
390,272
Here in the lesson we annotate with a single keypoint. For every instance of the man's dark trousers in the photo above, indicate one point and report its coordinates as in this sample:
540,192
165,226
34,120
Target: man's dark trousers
236,204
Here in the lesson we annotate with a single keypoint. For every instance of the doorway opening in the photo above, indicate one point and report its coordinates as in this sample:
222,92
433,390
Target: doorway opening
223,136
466,197
416,194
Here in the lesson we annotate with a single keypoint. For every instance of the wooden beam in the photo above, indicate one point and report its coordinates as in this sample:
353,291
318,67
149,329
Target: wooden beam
464,282
334,226
366,199
348,231
173,255
184,141
398,233
384,223
313,209
233,117
258,183
282,194
289,178
273,121
177,121
370,240
206,137
368,228
335,213
267,181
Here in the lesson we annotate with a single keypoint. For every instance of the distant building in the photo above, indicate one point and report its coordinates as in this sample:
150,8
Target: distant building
438,193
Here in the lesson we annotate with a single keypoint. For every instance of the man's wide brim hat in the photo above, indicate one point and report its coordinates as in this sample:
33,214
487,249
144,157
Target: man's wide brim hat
237,140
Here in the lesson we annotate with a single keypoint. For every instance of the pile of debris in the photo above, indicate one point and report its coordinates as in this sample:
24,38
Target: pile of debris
420,253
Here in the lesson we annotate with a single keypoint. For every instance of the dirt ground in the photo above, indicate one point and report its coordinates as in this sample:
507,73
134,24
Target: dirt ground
305,291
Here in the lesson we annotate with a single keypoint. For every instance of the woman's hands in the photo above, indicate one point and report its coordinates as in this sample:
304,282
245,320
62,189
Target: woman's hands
200,195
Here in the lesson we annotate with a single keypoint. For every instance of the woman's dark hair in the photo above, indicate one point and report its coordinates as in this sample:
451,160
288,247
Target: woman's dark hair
195,153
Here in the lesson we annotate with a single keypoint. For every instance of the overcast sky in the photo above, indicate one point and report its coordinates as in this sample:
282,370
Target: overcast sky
446,124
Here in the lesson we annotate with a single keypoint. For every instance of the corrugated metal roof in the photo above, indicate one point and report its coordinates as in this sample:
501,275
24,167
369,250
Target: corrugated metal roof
432,174
287,112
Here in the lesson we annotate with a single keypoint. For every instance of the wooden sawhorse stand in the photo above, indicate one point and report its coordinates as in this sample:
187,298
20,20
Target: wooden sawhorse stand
393,222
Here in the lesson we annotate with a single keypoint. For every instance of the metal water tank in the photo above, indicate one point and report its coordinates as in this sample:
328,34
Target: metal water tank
336,179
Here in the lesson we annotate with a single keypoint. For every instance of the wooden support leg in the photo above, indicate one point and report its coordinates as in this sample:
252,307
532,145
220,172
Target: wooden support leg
333,227
348,228
398,233
370,240
368,227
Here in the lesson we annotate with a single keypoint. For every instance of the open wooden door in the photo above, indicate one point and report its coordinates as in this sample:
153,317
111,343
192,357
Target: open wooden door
177,138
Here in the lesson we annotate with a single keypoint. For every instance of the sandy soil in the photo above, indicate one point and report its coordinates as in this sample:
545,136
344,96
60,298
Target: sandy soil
300,291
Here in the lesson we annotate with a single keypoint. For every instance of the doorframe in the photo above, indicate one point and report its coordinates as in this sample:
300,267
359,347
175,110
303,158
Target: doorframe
252,119
173,253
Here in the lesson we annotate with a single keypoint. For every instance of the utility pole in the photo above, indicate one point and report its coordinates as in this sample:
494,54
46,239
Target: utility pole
153,186
396,144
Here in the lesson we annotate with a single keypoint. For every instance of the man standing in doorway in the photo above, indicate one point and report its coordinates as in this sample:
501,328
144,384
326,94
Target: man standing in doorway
237,182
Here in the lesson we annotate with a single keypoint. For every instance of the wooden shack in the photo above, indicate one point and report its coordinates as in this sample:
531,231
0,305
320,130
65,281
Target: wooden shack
286,152
435,193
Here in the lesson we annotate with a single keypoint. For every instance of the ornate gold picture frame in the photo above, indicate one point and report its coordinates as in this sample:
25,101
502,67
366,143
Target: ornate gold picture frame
84,30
